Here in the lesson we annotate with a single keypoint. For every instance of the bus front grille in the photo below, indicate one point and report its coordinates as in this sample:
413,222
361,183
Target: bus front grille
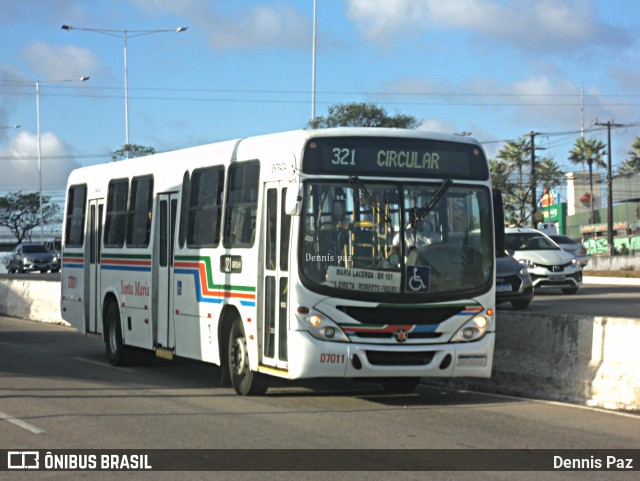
401,315
384,358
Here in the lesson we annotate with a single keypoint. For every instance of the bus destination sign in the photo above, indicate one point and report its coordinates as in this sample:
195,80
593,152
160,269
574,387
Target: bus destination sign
394,157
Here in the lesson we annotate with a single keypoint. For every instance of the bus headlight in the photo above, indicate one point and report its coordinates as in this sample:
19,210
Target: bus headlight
472,330
324,329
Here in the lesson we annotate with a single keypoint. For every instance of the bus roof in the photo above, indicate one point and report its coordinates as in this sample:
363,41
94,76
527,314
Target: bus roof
245,148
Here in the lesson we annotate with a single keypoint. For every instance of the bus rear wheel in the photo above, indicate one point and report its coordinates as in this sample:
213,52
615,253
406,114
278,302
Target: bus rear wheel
117,353
244,381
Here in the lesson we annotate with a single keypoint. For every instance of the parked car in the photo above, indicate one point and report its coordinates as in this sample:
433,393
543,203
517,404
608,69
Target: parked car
513,282
549,266
55,247
573,246
31,257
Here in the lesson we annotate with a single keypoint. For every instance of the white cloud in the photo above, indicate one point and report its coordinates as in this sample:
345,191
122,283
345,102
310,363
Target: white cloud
20,163
537,25
261,26
53,62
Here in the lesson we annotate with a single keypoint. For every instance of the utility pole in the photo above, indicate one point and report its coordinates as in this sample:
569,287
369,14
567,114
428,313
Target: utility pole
609,124
532,178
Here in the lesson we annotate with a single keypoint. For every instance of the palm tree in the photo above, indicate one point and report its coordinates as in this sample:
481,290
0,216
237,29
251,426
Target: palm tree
632,164
549,173
592,152
514,154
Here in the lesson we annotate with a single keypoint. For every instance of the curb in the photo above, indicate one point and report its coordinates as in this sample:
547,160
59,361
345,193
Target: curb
613,281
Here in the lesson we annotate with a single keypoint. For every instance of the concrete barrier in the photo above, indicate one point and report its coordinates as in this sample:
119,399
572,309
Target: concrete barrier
593,361
31,300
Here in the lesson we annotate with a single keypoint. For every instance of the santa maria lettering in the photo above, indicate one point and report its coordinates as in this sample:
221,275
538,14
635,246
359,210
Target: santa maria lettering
408,159
135,289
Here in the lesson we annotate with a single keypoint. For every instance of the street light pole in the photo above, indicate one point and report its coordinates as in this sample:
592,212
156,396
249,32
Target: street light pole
39,162
40,210
126,93
313,69
124,34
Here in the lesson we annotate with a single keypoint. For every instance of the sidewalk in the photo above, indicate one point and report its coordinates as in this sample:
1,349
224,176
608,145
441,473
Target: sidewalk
613,281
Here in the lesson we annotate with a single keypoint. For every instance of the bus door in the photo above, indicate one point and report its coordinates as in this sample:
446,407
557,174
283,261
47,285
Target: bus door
275,278
164,244
93,314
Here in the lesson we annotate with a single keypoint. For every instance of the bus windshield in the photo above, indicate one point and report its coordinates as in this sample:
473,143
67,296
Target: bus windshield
364,238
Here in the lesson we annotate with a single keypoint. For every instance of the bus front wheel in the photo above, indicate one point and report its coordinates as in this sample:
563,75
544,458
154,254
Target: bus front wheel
245,381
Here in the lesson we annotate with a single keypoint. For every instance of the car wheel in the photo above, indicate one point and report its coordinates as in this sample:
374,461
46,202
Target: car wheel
569,290
520,304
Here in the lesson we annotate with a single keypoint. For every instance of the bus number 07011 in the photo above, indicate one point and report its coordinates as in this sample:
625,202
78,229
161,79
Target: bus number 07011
326,358
344,156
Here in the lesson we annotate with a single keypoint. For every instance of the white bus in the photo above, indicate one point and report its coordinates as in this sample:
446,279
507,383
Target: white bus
349,252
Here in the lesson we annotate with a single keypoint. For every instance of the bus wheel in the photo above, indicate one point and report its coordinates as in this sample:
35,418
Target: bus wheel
245,381
400,384
117,353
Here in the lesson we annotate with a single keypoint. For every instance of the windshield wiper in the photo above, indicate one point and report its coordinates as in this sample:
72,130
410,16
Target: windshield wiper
435,199
359,185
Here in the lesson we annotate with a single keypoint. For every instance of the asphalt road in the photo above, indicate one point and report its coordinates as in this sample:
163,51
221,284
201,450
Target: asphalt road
58,392
591,300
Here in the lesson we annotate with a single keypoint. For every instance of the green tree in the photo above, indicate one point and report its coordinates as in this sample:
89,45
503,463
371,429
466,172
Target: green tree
514,155
356,114
20,213
590,151
632,164
131,151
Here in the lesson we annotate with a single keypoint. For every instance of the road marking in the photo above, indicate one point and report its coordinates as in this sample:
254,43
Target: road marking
22,424
103,364
542,401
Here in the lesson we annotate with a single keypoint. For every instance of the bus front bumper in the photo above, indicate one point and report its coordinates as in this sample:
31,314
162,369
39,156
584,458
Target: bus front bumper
310,357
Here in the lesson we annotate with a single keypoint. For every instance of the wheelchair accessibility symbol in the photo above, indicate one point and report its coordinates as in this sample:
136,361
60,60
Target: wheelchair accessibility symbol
417,279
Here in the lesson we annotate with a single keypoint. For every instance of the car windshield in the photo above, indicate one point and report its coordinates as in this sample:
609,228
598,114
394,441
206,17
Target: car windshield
528,241
34,249
370,238
562,239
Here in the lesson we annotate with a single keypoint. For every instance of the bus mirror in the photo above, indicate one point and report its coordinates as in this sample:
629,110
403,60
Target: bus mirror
293,201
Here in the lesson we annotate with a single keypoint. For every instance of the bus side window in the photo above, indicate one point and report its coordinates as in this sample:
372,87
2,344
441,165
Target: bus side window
140,212
242,205
184,208
115,224
205,207
76,203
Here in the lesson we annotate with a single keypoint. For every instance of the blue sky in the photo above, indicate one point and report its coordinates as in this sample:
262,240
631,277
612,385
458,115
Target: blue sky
499,69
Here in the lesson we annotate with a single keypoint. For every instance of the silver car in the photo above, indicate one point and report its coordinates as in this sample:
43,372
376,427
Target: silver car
549,266
30,257
513,282
572,246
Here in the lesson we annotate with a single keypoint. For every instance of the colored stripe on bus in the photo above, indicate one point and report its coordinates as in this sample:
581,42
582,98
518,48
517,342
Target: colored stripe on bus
352,329
206,290
72,260
126,262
